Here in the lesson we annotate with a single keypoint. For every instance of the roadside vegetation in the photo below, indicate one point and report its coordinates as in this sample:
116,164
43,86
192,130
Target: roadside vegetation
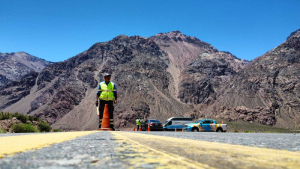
56,130
2,130
29,124
21,117
23,128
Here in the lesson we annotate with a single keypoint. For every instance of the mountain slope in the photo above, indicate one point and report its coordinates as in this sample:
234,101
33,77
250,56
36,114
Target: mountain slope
16,90
197,67
16,65
64,92
267,91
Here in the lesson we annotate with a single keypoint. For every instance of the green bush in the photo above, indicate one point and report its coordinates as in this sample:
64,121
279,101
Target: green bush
23,128
56,130
2,130
4,116
21,117
44,127
27,120
32,118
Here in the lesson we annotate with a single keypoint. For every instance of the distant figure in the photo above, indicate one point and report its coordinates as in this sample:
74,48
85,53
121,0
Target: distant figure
107,94
138,123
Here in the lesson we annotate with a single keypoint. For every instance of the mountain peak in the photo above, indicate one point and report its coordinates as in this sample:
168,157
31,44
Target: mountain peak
178,37
17,64
176,33
120,37
171,34
294,34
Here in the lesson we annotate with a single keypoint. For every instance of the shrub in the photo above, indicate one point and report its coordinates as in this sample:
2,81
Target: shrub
4,116
21,117
56,130
2,130
23,128
32,118
44,127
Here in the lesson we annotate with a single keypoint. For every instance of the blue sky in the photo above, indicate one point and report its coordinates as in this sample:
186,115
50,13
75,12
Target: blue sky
56,30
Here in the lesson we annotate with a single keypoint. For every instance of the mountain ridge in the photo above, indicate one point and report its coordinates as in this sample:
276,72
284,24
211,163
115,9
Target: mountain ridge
17,64
267,90
168,74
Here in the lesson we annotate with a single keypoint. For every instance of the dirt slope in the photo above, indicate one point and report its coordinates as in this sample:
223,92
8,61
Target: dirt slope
158,77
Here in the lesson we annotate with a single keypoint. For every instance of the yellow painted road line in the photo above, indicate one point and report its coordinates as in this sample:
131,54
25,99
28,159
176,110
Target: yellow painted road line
136,155
14,144
217,155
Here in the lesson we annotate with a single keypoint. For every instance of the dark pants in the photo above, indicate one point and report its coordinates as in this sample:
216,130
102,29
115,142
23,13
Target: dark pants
137,127
110,110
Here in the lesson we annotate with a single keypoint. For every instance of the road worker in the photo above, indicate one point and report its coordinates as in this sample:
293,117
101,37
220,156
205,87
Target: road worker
107,94
138,123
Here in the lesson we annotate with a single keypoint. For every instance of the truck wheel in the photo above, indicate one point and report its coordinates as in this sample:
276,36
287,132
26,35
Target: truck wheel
219,130
195,130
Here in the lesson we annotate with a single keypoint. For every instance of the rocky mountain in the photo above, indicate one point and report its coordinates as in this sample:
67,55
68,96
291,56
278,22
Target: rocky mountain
169,74
158,77
197,67
16,65
294,34
16,90
266,91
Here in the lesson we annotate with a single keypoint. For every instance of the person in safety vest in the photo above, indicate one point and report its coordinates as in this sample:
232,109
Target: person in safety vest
138,123
107,94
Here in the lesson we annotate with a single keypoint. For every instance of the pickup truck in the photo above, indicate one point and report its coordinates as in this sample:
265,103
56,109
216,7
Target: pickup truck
206,125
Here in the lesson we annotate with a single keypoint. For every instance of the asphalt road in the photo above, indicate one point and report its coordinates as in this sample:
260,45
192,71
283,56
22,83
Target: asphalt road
92,151
279,141
154,150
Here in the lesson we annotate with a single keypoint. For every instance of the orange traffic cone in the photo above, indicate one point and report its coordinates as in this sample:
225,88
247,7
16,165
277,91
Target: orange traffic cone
149,128
140,128
105,126
222,122
133,129
182,130
175,129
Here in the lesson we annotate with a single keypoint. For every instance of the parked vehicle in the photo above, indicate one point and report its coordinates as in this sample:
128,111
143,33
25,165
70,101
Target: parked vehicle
153,124
176,122
207,125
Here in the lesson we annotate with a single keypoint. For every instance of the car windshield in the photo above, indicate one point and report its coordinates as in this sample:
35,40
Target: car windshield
154,121
199,121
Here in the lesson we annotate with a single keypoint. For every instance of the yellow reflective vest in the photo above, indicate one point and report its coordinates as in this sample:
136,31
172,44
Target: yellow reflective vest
138,122
107,91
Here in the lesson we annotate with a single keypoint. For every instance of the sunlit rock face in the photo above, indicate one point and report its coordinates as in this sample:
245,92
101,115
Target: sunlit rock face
169,74
16,65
